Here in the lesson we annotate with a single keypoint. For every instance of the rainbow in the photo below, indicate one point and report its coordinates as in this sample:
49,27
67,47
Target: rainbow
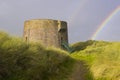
75,13
103,24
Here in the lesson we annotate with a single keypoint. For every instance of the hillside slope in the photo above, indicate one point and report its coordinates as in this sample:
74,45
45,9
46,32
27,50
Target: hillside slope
103,59
90,60
22,61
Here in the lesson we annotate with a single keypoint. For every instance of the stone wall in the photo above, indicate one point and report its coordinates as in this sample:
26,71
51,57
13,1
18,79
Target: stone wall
48,32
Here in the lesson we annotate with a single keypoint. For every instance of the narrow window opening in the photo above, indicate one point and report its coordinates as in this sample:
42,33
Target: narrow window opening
26,38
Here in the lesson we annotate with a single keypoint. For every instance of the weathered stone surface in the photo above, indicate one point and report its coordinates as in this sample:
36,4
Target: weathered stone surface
47,31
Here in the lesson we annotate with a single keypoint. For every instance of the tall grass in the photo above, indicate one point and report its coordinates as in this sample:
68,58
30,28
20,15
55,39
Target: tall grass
103,59
31,61
107,64
91,60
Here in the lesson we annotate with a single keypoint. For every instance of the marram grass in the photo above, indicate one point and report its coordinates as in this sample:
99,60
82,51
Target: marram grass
31,61
90,60
103,59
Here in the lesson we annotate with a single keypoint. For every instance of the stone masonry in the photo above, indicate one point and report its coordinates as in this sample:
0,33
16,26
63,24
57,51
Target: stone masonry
46,31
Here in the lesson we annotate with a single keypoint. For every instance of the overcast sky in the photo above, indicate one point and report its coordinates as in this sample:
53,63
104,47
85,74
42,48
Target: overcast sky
83,16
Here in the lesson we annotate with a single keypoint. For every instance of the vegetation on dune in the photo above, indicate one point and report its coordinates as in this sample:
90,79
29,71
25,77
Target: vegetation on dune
22,61
90,60
102,58
81,45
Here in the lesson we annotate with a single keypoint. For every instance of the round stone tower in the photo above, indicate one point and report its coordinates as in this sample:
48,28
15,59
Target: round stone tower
48,32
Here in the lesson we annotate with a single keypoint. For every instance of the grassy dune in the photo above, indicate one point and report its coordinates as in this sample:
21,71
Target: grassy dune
103,59
90,60
22,61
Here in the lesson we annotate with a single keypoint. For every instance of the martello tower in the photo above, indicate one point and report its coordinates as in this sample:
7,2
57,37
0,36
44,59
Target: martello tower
48,32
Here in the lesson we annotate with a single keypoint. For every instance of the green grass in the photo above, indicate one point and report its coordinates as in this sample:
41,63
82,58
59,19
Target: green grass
22,61
103,59
90,60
